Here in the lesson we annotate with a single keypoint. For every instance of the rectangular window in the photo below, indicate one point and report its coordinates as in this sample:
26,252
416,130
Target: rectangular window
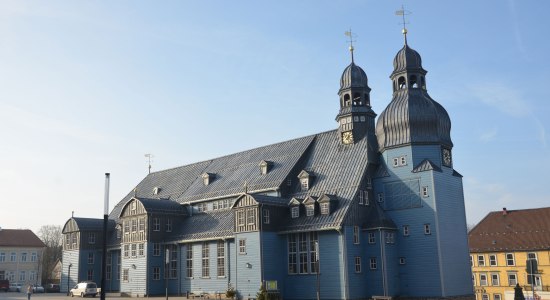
90,258
23,256
292,254
372,238
189,260
304,183
395,162
482,279
221,258
380,197
142,225
295,211
205,260
481,260
242,246
424,191
403,160
141,250
109,266
156,273
366,196
357,264
471,261
492,260
313,252
494,279
402,261
126,227
390,237
126,250
302,253
240,220
32,276
427,229
33,257
134,250
325,208
266,215
156,249
156,224
125,273
497,297
90,274
91,238
2,257
310,210
118,268
510,259
168,225
532,255
356,234
372,263
484,297
512,279
134,225
22,276
361,201
406,231
173,261
13,257
215,205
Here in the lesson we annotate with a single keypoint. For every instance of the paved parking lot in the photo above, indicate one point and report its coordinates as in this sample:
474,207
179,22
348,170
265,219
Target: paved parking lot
63,296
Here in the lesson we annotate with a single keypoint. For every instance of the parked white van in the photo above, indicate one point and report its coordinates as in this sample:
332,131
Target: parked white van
84,289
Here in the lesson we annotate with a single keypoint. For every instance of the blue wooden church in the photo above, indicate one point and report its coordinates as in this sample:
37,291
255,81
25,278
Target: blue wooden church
362,211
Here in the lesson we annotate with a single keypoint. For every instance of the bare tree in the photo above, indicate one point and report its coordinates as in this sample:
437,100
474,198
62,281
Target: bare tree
52,237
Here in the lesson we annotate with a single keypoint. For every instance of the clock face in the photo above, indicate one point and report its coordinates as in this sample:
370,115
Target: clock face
347,137
447,159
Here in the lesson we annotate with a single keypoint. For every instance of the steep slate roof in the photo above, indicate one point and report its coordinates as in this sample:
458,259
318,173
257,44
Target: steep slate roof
377,219
512,230
161,206
19,238
426,165
209,225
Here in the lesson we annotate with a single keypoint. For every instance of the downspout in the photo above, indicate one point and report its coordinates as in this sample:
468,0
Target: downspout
344,261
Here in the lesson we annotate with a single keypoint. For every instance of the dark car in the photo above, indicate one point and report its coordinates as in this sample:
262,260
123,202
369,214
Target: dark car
52,288
4,285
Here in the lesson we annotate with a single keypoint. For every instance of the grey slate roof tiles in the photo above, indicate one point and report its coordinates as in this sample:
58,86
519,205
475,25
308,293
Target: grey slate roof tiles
426,165
205,226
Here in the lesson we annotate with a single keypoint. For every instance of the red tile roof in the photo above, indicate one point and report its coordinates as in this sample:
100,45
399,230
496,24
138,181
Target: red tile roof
512,230
19,238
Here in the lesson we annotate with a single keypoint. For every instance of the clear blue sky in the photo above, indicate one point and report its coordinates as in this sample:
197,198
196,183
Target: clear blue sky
88,87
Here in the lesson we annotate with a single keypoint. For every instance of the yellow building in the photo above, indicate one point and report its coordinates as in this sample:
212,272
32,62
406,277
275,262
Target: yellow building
500,246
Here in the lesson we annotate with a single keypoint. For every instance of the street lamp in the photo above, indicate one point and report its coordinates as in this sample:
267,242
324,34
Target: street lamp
68,278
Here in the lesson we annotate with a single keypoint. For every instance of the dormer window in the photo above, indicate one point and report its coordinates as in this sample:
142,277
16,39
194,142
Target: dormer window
325,208
305,180
295,212
310,210
207,178
327,203
265,166
156,190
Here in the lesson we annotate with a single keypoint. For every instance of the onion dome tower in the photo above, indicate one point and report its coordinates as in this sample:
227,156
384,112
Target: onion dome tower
413,117
355,118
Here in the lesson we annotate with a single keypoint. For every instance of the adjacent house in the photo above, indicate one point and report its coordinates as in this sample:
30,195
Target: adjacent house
20,256
508,248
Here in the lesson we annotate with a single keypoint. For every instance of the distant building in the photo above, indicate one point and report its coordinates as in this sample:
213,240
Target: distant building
379,210
500,246
20,256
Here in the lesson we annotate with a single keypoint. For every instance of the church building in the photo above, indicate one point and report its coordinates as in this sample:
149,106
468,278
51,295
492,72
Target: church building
373,208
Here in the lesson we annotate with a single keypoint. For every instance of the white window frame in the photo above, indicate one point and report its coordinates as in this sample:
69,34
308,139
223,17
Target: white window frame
402,261
512,279
372,238
513,259
372,263
396,162
265,213
356,235
403,160
304,184
242,246
358,264
168,225
532,255
156,273
406,230
310,210
484,296
325,208
205,259
156,249
91,238
495,279
483,280
425,191
427,229
295,212
389,237
481,260
156,224
493,260
497,297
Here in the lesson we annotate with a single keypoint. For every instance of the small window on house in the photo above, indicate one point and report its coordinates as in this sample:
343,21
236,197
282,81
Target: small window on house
497,297
168,225
482,279
427,229
289,182
362,119
373,265
266,216
156,224
156,190
413,83
366,197
347,101
512,279
325,208
358,264
133,205
481,260
494,279
484,296
91,238
356,235
492,260
372,238
125,275
310,210
295,211
156,249
90,258
402,261
396,162
361,196
242,246
532,255
390,238
471,261
380,197
355,118
423,82
510,259
403,161
304,183
406,231
424,191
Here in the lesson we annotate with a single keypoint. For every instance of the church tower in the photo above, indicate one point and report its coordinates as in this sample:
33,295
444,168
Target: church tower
418,188
355,118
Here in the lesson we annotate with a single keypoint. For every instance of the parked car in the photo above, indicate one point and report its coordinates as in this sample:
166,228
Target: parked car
84,289
52,288
4,285
15,287
37,289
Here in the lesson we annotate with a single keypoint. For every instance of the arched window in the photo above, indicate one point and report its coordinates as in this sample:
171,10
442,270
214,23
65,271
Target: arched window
357,99
423,82
347,101
401,83
412,82
367,99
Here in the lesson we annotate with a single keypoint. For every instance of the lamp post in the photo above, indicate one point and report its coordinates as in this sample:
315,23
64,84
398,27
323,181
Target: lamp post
68,278
105,218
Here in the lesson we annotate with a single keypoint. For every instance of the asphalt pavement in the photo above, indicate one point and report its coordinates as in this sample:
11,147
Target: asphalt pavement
63,296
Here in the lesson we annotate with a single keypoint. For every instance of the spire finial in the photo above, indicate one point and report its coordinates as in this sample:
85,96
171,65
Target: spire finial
351,36
402,12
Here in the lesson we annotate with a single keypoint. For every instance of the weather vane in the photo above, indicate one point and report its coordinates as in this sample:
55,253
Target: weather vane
351,35
149,158
402,12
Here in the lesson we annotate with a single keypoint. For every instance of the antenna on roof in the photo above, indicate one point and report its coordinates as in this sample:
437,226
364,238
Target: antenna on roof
149,159
402,12
351,35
